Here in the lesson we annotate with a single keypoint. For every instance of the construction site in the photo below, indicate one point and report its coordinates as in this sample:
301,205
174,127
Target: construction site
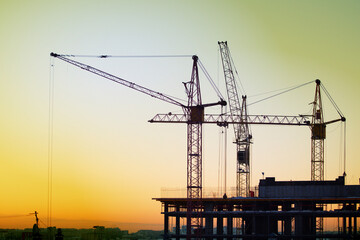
275,209
280,209
283,210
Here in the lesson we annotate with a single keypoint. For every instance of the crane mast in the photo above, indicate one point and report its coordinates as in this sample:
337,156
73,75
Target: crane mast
243,154
195,118
241,129
318,134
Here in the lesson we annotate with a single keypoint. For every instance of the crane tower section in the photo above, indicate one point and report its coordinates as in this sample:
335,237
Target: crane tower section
243,154
194,150
318,134
241,129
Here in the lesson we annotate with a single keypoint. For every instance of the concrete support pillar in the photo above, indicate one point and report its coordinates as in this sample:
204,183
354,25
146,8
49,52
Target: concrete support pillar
229,231
298,220
253,225
243,226
287,220
209,221
272,221
220,225
177,227
261,223
166,221
305,225
312,222
355,227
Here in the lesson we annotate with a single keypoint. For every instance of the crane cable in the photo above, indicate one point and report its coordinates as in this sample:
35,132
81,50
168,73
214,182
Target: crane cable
342,119
15,215
220,157
344,149
219,162
131,56
43,223
277,94
126,56
225,161
332,100
210,80
153,56
50,139
340,149
237,74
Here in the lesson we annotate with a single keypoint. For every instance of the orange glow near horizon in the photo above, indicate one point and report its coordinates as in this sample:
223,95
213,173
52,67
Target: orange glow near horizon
108,162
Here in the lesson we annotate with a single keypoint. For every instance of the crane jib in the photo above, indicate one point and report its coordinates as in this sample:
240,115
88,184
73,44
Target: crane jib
224,119
119,80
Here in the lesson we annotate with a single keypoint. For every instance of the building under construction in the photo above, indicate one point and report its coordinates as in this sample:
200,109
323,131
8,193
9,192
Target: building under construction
282,210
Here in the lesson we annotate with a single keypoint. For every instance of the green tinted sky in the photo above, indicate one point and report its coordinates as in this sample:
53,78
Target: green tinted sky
107,158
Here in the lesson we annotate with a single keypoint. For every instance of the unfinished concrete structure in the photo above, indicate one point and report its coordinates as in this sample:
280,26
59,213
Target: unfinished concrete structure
283,210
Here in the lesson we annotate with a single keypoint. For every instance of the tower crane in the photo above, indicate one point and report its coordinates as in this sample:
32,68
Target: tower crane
241,129
36,230
317,126
194,115
318,132
36,217
318,135
242,136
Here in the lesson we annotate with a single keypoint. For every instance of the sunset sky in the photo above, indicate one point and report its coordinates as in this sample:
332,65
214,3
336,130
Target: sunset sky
108,162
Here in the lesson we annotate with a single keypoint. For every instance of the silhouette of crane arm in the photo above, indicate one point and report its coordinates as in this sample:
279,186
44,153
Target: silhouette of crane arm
119,80
222,119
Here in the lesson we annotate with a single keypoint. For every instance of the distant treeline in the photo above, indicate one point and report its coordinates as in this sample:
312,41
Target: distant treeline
96,233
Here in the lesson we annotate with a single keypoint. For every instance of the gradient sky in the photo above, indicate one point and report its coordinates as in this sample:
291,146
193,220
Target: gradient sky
108,161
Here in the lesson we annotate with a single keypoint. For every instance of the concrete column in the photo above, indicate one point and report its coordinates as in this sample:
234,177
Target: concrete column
243,226
355,227
298,220
229,231
209,221
166,221
253,225
287,220
272,220
311,221
220,224
177,227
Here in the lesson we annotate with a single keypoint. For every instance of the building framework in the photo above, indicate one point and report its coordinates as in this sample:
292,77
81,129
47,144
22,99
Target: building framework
283,210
